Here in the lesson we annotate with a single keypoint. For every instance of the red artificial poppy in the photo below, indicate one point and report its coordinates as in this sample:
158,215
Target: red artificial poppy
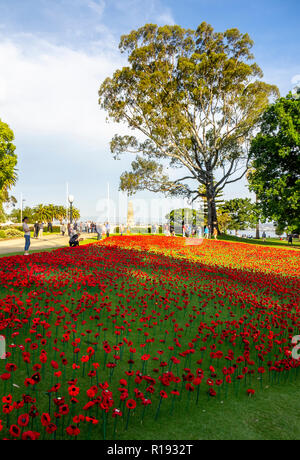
131,404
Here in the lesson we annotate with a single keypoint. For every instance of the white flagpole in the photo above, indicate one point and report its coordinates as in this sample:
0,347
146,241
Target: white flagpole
108,202
67,200
21,207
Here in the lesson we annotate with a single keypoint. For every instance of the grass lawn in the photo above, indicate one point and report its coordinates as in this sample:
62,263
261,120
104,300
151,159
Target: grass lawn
273,414
271,242
153,327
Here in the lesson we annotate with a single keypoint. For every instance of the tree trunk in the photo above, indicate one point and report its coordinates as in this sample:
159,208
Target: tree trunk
257,236
212,219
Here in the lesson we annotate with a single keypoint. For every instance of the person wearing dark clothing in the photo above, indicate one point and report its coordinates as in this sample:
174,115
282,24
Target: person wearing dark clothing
290,239
74,240
36,230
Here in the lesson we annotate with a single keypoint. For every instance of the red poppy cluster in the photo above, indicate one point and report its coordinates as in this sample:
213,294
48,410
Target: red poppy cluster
133,328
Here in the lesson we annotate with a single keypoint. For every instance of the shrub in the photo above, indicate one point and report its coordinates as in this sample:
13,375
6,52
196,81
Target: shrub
12,233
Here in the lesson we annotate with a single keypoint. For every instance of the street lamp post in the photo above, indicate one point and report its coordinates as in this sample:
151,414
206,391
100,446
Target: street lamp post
71,200
22,207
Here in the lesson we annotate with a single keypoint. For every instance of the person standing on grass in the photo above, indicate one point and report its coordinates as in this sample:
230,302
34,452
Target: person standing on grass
215,233
26,231
107,227
290,239
264,236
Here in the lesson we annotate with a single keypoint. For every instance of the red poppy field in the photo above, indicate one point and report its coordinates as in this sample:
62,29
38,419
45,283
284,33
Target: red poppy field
114,336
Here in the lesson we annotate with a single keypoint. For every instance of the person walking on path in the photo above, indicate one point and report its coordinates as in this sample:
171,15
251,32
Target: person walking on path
26,231
107,227
36,230
264,236
63,229
41,229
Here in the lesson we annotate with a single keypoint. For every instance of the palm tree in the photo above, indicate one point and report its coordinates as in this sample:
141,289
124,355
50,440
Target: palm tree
60,213
51,209
76,214
42,213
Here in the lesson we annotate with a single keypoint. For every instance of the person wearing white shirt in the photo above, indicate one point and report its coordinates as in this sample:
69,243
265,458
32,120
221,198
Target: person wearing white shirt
26,231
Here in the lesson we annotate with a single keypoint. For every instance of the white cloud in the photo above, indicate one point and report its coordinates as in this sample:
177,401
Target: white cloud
165,18
51,90
97,6
153,11
48,90
296,79
283,76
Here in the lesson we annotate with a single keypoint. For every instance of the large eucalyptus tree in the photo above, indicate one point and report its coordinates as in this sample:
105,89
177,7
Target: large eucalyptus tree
195,97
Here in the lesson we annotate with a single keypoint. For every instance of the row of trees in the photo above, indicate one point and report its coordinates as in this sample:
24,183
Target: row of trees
44,213
236,214
275,160
196,100
8,162
8,178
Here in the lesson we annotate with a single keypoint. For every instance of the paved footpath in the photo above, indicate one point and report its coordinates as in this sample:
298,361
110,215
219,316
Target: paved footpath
46,242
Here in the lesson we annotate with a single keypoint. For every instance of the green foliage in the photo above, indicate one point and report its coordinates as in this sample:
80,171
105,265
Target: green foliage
15,215
44,213
196,96
8,162
279,231
2,213
224,221
75,213
8,157
241,212
185,215
275,154
11,233
5,199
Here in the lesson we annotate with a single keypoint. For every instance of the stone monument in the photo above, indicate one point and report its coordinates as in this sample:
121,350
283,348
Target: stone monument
130,215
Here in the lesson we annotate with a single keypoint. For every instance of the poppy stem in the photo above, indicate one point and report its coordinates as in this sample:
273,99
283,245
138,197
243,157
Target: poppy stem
128,416
158,409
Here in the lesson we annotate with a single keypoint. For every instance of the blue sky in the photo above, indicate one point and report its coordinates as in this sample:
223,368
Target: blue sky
54,55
